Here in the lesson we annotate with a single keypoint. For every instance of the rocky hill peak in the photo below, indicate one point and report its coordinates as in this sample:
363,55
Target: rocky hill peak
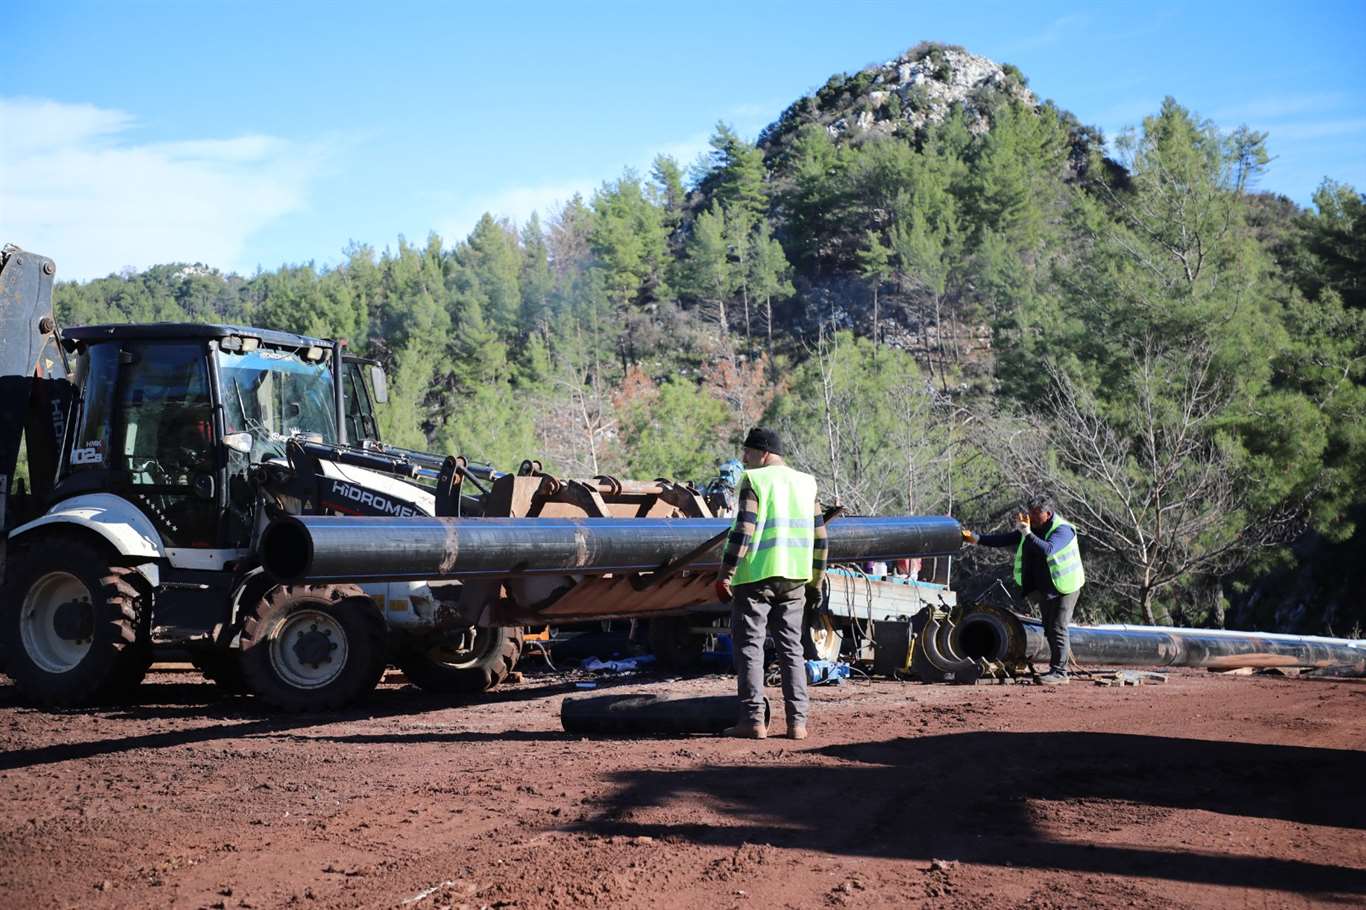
907,94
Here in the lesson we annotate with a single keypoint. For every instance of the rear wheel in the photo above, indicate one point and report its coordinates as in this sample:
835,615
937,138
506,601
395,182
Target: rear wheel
74,627
478,661
313,647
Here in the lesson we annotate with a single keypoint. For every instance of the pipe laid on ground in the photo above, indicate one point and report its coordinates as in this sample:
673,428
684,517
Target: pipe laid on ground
353,548
1000,635
634,715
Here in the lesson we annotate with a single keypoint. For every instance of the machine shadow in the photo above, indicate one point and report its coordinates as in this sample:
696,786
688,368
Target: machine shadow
988,797
230,717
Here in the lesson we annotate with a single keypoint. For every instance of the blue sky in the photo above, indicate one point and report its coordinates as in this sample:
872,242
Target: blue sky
251,134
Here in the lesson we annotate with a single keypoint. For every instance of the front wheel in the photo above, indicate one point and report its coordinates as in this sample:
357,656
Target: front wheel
73,626
313,647
479,660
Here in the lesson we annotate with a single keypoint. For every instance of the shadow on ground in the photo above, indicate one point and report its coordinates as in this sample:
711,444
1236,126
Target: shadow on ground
1001,798
233,717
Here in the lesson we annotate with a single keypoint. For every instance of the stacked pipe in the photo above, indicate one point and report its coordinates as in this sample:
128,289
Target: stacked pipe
990,633
364,549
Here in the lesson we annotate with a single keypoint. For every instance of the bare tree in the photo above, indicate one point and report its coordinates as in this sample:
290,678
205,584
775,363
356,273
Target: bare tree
578,422
1154,488
869,430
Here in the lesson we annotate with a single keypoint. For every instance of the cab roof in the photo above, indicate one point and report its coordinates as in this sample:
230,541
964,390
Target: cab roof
187,330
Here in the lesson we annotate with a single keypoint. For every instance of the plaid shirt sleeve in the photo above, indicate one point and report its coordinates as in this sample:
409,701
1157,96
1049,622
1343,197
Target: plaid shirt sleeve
742,532
822,545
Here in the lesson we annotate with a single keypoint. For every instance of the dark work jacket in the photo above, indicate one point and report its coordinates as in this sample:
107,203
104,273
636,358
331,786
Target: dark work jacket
1034,573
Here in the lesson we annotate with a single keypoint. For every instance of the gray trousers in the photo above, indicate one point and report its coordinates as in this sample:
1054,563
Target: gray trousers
1057,616
776,604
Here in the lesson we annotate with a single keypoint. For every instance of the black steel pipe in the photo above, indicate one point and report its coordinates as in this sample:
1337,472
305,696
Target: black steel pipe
355,548
635,715
1000,635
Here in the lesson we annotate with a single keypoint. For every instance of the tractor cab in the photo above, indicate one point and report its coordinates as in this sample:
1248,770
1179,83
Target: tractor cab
172,417
363,384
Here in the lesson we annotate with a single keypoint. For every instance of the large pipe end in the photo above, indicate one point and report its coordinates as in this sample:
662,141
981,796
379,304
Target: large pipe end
286,549
989,633
978,637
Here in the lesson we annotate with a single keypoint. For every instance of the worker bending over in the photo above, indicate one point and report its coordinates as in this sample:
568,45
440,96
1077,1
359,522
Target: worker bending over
1049,572
776,549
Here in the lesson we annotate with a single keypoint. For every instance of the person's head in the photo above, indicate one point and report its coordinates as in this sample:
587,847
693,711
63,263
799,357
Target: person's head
762,447
1040,512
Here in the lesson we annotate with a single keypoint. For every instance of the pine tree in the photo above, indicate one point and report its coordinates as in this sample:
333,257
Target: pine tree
770,276
707,267
875,264
738,173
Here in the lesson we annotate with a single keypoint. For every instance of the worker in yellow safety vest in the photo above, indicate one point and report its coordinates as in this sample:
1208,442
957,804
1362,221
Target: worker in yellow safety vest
775,552
1049,572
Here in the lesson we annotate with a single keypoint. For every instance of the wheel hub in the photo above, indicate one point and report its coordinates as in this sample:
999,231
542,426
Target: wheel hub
308,648
57,622
314,646
465,649
74,621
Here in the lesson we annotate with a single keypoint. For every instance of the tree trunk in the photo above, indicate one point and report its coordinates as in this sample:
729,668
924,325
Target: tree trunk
875,320
768,319
939,342
749,344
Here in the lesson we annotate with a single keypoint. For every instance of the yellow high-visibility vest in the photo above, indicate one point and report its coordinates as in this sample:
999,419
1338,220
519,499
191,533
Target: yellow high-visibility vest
784,528
1064,565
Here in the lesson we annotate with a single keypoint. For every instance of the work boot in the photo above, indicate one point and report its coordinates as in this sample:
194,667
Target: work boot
749,729
796,730
1054,678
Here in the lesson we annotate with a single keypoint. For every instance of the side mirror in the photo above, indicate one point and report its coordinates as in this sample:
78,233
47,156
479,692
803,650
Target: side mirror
380,384
239,442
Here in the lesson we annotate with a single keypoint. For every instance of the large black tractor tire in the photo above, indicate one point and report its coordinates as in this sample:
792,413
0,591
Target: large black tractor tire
312,647
490,656
676,648
74,627
130,585
223,668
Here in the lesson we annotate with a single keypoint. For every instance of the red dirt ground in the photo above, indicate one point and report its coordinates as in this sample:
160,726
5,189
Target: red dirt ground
1203,792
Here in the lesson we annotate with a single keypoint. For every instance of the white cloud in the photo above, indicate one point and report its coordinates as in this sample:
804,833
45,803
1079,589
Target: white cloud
79,188
1321,129
1052,33
1121,115
685,151
1277,106
515,203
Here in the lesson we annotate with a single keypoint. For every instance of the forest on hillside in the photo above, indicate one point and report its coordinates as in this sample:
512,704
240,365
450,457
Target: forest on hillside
941,318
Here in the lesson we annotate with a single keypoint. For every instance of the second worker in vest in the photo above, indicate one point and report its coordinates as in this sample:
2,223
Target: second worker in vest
775,551
1049,572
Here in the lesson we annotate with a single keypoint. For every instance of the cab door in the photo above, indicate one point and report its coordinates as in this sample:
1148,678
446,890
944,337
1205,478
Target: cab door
359,408
145,432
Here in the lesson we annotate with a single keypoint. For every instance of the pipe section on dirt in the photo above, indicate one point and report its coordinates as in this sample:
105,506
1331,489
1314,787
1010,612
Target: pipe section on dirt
993,634
345,548
635,715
